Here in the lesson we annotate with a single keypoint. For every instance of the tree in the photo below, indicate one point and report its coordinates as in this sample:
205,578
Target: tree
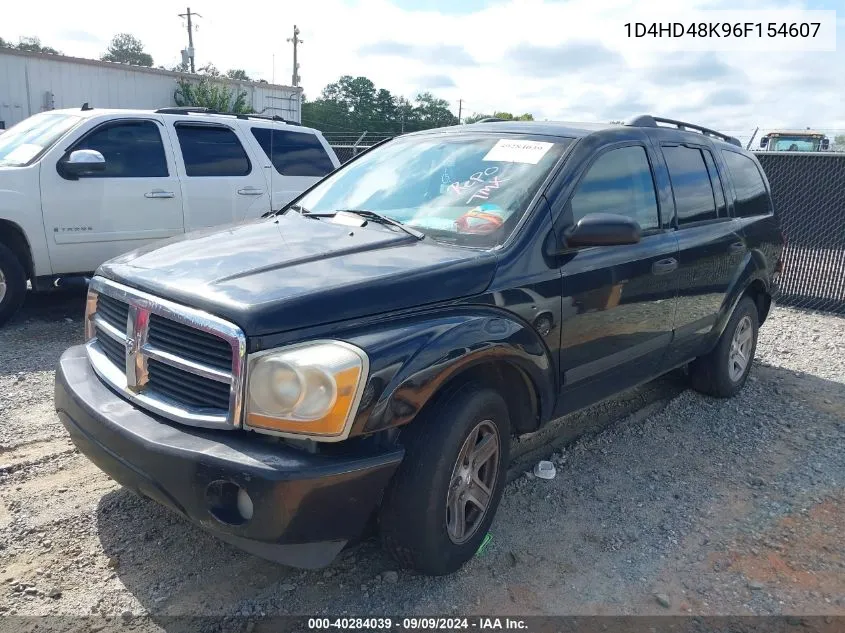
238,74
127,49
838,143
212,94
29,45
209,69
507,116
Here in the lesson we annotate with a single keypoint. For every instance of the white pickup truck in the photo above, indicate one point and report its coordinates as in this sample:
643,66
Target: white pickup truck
78,187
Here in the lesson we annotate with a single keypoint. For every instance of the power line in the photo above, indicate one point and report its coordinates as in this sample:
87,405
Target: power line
190,50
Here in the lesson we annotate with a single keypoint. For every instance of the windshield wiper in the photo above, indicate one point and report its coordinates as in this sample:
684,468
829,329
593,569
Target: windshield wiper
376,217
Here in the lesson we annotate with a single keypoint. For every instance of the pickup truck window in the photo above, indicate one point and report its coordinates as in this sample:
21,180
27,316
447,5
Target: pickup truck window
132,149
620,181
210,151
294,153
26,141
751,198
464,188
694,198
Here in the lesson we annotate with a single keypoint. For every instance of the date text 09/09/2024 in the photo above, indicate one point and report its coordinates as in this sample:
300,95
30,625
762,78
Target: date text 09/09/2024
722,29
418,624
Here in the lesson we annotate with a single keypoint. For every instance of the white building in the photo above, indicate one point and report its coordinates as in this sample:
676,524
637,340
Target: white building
35,82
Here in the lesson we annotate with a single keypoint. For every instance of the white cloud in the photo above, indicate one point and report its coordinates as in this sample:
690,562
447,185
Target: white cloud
559,60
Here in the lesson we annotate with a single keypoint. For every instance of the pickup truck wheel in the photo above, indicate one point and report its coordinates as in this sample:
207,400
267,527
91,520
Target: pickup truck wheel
442,500
723,372
12,284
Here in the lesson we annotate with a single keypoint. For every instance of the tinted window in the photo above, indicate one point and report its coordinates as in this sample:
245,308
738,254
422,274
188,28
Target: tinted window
716,182
132,149
294,153
618,182
694,200
751,197
212,151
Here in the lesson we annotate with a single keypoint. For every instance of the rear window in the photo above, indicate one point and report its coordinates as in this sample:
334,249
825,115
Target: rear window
212,151
751,196
694,199
294,153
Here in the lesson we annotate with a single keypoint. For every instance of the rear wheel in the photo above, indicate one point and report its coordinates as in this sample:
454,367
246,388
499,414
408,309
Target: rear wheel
442,500
12,284
723,371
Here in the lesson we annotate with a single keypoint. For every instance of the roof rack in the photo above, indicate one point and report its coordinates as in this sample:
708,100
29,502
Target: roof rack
186,110
489,119
267,117
646,120
198,110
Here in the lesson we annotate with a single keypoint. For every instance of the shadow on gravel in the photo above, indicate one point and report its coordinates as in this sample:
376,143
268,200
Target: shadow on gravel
51,306
666,484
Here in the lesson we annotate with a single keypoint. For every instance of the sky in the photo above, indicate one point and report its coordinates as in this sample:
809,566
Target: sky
557,59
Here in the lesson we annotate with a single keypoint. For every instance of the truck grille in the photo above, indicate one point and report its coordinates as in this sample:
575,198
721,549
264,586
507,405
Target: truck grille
178,362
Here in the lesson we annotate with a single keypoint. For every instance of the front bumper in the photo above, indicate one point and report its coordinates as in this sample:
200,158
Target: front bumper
305,507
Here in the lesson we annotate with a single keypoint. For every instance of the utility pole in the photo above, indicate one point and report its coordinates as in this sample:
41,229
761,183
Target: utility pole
190,49
296,41
460,105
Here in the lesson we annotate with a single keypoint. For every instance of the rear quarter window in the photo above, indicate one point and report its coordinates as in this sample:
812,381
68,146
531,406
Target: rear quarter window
751,196
294,153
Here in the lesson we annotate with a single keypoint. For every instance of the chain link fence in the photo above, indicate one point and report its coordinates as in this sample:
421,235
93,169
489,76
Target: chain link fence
809,196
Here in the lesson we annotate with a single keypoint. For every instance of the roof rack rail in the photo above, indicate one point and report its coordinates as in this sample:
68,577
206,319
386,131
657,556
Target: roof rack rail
267,117
646,120
187,110
489,119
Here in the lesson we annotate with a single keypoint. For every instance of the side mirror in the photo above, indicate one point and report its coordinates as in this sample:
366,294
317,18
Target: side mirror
603,229
764,142
825,144
82,162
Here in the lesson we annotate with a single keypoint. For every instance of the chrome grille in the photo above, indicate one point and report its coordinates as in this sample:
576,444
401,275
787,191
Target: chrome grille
190,343
178,362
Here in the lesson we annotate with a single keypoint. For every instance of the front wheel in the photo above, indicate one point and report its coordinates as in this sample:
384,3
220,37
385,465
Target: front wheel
12,284
442,500
723,371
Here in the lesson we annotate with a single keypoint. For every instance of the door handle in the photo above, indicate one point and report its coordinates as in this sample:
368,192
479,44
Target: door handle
158,193
664,266
736,247
250,191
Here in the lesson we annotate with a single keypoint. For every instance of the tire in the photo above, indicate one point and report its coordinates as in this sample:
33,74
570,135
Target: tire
12,284
415,526
719,373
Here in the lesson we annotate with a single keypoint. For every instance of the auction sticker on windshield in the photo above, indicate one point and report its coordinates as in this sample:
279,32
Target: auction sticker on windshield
508,150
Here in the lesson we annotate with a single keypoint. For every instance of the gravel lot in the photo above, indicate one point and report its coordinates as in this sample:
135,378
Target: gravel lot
681,504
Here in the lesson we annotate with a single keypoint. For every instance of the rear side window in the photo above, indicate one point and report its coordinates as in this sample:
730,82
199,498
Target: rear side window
212,151
694,201
294,153
751,196
618,182
716,182
132,149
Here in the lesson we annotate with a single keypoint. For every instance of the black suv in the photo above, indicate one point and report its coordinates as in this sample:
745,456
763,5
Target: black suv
368,352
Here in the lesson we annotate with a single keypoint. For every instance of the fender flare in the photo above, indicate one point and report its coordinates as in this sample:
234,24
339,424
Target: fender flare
752,269
410,361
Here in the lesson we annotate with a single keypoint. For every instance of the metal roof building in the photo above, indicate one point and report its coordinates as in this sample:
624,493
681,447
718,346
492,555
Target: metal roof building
36,82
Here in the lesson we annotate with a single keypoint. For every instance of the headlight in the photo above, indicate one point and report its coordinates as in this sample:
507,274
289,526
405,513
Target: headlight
311,389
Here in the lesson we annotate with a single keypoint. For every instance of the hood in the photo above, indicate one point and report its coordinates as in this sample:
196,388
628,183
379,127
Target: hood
277,274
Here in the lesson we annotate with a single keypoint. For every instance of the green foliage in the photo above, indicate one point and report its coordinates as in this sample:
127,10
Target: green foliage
238,74
354,104
207,93
507,116
838,144
29,45
127,49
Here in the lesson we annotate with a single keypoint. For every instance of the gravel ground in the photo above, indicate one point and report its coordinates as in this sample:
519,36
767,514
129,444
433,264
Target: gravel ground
679,504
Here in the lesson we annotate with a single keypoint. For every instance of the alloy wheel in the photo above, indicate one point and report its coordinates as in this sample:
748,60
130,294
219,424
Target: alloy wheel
740,353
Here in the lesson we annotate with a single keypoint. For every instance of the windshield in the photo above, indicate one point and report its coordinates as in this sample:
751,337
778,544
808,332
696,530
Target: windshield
25,141
463,188
796,144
